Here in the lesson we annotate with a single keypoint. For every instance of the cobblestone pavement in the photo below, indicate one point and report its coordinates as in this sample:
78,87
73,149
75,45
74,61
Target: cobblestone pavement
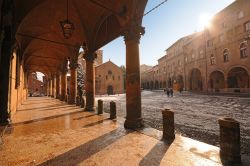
196,116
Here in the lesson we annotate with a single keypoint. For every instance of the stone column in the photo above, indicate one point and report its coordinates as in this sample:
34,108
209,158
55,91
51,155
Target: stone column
226,85
48,87
63,85
57,86
5,57
90,82
133,89
52,87
73,82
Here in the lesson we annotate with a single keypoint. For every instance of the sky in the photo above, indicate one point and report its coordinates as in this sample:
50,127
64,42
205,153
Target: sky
165,25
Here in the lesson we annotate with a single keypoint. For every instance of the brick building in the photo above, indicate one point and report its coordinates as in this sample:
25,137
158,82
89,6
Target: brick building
109,79
216,59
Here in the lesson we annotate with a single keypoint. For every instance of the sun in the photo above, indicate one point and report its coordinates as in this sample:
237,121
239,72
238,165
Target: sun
205,20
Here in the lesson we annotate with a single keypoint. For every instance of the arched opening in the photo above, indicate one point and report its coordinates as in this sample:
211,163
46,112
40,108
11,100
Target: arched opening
179,83
164,84
110,90
151,85
238,78
216,81
148,85
160,85
195,80
36,84
156,85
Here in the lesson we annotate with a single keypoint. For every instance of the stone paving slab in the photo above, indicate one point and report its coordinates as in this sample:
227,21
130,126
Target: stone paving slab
83,138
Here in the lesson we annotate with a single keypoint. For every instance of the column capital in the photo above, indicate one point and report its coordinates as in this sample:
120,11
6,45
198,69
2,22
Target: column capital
133,32
88,56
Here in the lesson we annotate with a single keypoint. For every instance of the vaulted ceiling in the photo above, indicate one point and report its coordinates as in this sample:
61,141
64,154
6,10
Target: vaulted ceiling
97,22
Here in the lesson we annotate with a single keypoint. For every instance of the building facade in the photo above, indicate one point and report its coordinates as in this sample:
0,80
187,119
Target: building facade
216,59
109,79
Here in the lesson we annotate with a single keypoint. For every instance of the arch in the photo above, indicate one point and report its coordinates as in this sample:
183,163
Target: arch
156,84
180,82
217,81
238,77
148,85
160,84
195,80
164,84
151,85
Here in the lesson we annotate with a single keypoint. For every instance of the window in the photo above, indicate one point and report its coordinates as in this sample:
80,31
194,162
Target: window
243,50
106,77
226,55
240,14
247,26
212,59
113,77
110,72
99,75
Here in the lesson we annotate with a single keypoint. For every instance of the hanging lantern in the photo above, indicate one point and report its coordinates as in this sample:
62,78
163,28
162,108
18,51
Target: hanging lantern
67,26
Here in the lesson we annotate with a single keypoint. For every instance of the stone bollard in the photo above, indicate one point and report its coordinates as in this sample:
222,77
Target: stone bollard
100,107
229,141
83,102
112,110
77,100
168,125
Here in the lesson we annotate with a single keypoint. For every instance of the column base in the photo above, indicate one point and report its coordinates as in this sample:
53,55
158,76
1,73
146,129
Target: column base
133,124
90,109
52,96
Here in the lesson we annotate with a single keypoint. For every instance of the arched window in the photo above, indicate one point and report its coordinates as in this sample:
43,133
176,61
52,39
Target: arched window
212,59
226,55
110,72
243,50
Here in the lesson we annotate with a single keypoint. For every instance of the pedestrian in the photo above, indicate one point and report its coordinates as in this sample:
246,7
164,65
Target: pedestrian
168,92
171,92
